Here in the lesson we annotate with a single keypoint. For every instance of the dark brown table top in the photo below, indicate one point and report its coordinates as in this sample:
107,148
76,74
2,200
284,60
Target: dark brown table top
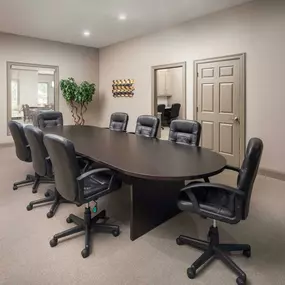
142,157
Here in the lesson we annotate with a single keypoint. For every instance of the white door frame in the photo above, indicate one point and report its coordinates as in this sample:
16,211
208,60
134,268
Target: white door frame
242,99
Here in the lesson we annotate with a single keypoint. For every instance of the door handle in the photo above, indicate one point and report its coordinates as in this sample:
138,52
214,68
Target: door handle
236,119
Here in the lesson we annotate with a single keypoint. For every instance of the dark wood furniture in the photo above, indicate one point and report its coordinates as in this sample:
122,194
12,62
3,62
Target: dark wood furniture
156,169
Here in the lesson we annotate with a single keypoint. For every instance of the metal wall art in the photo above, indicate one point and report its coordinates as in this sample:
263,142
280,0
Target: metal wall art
123,88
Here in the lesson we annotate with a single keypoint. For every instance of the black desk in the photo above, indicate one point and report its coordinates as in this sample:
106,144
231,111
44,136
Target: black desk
157,168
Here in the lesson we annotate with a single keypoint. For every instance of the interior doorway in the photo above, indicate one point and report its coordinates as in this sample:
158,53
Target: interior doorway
168,94
219,105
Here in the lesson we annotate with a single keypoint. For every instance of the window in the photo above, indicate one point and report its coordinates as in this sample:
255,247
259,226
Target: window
42,93
15,98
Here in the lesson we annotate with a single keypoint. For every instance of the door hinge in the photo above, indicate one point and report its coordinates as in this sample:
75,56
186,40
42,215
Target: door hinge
197,109
197,74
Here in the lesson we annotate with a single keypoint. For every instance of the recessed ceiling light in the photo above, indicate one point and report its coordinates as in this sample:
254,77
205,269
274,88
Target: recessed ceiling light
86,33
122,17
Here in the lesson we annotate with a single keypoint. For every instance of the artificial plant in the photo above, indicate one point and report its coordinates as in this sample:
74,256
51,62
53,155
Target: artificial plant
77,97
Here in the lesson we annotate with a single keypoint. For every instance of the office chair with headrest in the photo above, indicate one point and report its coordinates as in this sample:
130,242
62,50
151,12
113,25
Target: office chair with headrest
23,151
222,203
174,112
185,132
80,189
43,169
119,122
147,126
45,119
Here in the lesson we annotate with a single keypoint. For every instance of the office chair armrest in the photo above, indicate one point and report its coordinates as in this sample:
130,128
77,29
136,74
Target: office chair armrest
233,168
214,186
91,172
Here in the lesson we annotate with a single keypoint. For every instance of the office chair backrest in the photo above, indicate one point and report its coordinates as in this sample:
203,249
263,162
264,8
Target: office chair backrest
48,119
161,108
65,166
147,126
185,132
39,153
248,170
119,122
175,109
23,151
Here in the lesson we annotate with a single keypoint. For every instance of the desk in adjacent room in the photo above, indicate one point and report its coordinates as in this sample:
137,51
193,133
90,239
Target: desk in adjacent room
157,169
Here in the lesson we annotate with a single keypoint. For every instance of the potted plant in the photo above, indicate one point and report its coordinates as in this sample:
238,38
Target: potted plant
77,97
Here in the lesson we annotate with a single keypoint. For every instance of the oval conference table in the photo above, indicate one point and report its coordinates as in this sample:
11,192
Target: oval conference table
156,169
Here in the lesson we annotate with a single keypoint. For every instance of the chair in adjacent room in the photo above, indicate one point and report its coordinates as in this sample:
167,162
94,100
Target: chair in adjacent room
27,114
185,132
147,126
23,151
222,203
45,119
119,122
161,109
174,113
43,169
80,189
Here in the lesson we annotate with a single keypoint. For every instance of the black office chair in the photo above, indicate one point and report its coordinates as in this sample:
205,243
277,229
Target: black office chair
161,109
48,119
119,122
23,151
174,112
223,203
80,189
147,126
43,168
185,132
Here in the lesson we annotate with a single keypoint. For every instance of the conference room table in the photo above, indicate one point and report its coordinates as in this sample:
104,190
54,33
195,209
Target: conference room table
156,169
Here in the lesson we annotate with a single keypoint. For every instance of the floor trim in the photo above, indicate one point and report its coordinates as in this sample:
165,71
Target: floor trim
6,144
272,173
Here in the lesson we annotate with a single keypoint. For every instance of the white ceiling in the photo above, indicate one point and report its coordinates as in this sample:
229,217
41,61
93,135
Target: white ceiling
65,20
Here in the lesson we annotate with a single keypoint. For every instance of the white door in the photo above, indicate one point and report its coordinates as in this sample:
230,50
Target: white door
218,107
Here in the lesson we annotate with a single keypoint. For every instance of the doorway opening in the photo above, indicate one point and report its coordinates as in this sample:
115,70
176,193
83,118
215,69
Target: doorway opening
31,88
168,94
219,105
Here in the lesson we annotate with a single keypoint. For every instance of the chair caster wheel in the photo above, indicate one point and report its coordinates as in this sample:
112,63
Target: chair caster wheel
29,207
247,253
34,191
53,242
241,280
50,215
179,241
68,220
116,233
15,187
85,252
191,272
47,194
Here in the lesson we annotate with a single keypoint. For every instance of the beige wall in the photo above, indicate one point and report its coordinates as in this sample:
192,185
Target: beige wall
74,61
256,28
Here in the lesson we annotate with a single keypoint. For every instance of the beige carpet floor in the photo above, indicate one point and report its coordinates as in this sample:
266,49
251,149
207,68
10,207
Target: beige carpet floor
27,258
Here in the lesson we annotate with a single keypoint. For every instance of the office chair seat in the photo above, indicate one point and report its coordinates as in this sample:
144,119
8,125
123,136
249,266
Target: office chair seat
215,202
207,206
95,185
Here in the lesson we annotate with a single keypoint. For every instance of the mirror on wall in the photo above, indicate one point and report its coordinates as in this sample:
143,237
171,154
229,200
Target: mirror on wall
31,89
169,94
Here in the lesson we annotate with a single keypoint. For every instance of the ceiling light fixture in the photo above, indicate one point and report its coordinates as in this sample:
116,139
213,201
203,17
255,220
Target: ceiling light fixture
122,17
86,33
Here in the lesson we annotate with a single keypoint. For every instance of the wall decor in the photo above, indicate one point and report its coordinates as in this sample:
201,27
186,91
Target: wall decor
123,88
